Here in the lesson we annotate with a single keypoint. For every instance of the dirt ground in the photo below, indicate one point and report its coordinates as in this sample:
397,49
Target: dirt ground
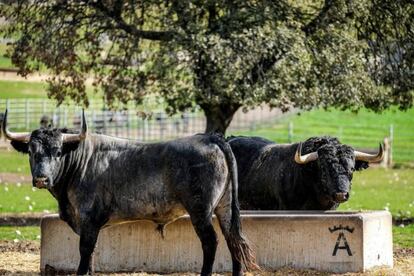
23,258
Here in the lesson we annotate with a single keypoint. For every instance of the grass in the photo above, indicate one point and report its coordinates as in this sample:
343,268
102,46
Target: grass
362,130
22,89
5,62
379,189
11,89
19,233
18,198
403,236
14,162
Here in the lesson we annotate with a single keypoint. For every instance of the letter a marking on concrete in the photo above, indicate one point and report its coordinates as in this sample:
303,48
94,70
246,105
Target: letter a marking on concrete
341,237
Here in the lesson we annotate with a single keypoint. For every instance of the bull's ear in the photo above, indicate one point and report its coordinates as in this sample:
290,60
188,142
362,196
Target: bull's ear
361,165
20,146
69,146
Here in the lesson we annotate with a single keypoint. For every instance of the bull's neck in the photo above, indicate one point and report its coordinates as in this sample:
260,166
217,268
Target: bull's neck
78,161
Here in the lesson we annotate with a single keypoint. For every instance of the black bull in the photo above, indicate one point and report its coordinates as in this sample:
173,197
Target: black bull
286,177
99,180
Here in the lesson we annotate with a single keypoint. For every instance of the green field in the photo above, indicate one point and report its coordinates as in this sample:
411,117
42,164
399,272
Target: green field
19,233
18,198
403,236
383,189
362,130
32,90
14,162
22,89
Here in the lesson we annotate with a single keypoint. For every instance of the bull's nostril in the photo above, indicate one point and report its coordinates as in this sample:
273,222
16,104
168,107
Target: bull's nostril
341,197
40,182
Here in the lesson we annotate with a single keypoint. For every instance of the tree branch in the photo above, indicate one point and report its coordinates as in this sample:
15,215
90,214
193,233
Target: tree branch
265,64
321,18
115,15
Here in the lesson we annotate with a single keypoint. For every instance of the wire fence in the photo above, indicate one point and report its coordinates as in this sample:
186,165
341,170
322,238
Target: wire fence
146,122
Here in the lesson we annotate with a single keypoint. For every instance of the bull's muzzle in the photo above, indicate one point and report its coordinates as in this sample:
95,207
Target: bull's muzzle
40,182
341,197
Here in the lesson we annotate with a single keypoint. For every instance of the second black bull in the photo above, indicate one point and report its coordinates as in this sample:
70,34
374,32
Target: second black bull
313,175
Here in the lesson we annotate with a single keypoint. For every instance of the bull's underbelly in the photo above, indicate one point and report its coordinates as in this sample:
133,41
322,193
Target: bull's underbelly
160,214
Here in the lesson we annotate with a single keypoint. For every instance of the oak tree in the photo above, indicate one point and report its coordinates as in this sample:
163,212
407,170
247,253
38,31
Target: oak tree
220,55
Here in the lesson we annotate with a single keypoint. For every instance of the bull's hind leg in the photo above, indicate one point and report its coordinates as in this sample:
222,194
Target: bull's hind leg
208,237
223,213
231,228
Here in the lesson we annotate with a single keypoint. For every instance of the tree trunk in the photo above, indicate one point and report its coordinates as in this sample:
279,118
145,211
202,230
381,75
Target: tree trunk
219,116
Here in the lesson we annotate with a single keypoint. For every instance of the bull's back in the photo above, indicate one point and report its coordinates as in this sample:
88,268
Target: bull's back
163,174
247,150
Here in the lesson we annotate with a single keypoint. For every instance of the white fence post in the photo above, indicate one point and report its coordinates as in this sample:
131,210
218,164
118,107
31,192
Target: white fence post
391,143
26,108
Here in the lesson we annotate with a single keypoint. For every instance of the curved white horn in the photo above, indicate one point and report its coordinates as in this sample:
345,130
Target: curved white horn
362,156
14,136
303,159
77,137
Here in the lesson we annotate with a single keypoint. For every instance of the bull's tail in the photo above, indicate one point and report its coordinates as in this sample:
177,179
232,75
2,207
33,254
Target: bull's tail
235,238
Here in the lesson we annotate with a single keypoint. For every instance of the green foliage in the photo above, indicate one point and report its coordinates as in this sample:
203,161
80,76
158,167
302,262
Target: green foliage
221,55
5,61
18,198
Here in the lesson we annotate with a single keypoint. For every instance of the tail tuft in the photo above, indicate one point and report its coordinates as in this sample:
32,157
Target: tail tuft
243,253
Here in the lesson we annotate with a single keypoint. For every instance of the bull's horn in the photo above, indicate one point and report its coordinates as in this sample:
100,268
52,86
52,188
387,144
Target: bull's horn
77,137
362,156
303,159
14,136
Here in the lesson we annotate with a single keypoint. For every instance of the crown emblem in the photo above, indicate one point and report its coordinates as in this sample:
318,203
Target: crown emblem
340,227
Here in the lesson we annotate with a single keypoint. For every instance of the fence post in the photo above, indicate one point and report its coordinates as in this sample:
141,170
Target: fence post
43,107
104,120
290,132
93,120
391,144
128,124
26,113
65,117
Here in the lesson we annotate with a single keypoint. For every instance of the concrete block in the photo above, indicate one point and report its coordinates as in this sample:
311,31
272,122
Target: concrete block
328,241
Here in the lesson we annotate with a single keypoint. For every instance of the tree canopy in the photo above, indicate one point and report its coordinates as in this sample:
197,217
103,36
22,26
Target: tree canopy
221,55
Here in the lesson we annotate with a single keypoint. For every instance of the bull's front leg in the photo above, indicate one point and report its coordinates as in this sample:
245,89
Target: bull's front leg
88,237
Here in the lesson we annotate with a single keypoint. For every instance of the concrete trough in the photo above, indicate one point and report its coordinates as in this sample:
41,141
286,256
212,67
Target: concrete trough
327,241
